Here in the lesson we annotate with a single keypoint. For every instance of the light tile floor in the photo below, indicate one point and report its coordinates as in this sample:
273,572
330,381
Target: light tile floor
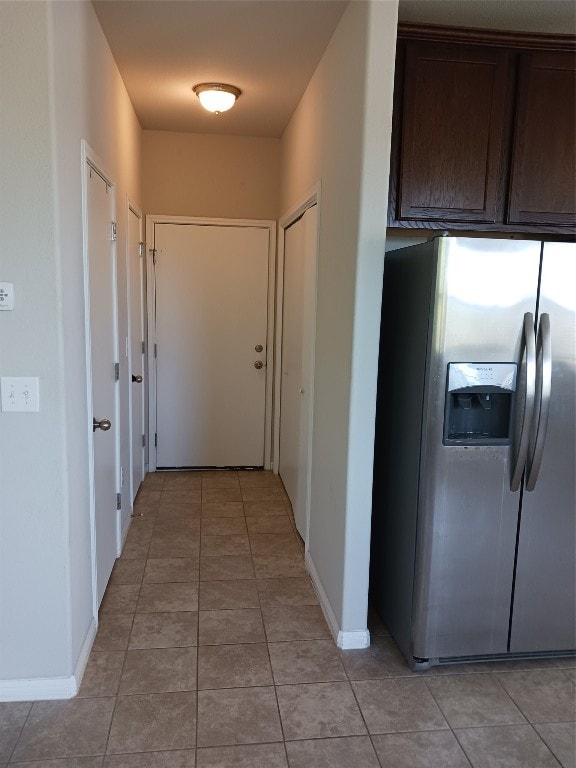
212,652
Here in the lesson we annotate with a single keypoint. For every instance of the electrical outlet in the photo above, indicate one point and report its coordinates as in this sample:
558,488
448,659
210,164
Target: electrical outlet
20,393
6,296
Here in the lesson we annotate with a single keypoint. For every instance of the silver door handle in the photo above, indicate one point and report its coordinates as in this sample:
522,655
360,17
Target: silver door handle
103,424
258,364
137,379
528,346
542,409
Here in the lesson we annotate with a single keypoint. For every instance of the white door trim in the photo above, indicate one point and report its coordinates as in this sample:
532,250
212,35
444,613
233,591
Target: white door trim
132,208
313,197
89,157
151,221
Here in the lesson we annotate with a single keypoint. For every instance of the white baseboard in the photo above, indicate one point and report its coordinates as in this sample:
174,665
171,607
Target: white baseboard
125,529
346,640
358,638
43,688
85,654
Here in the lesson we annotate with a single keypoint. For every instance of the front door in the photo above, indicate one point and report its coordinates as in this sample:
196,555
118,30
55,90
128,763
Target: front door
103,347
211,290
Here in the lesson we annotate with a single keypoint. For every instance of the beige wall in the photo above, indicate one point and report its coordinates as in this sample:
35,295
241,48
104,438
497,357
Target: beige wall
193,174
33,505
340,136
61,86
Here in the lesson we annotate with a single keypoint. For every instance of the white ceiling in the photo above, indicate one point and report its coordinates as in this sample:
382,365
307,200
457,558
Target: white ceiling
267,48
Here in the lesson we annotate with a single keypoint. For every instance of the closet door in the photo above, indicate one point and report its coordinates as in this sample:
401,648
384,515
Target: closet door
296,393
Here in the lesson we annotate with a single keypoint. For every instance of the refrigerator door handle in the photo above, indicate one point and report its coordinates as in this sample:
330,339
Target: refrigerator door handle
528,346
542,409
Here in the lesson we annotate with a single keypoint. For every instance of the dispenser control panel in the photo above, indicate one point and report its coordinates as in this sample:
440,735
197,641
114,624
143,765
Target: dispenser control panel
481,375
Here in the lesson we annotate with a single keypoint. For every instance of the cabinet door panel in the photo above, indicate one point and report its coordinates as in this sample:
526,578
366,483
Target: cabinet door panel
543,190
452,133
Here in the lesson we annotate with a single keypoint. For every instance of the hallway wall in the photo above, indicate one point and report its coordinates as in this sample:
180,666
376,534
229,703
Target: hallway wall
340,136
215,176
34,556
59,85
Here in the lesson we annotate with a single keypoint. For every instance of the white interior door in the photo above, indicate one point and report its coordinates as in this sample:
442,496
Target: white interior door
103,354
211,290
136,349
298,333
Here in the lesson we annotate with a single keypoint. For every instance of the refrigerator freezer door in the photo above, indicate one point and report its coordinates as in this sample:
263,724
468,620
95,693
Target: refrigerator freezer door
467,517
543,617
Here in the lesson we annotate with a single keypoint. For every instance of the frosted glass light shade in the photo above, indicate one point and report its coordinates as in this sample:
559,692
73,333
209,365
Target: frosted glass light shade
216,97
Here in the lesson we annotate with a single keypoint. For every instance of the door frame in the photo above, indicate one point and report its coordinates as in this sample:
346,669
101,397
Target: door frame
134,209
90,158
313,197
151,221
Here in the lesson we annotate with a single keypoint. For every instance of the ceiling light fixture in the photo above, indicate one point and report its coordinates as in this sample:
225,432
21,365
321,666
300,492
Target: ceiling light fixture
216,97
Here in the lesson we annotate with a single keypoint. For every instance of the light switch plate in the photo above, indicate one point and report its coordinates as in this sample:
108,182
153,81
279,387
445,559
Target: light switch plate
20,393
6,295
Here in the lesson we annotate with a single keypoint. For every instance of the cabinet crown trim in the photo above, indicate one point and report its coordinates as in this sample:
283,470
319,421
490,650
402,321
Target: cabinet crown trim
495,37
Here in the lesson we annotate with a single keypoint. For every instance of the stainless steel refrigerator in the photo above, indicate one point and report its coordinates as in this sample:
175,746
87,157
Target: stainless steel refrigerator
474,513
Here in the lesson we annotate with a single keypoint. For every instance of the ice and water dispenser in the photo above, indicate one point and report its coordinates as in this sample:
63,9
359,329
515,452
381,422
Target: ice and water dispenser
479,403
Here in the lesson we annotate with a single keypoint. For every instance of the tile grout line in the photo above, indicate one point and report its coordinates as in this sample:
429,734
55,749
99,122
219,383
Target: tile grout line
368,733
11,755
156,509
431,692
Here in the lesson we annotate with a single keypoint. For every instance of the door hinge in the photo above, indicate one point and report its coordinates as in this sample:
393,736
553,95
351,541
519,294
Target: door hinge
155,350
143,441
153,252
156,440
113,235
118,501
116,371
143,347
141,249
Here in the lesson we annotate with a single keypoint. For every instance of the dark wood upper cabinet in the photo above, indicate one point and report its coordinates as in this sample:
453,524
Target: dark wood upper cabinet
483,132
543,172
451,155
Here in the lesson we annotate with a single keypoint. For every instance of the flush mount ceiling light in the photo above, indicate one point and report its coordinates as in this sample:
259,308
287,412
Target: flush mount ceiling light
216,97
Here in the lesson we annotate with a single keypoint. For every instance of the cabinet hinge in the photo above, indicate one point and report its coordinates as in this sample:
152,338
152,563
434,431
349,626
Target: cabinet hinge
116,371
143,347
141,249
143,441
155,350
118,501
156,440
113,235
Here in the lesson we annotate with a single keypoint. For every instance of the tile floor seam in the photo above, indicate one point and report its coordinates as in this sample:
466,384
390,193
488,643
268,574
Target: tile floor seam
198,651
112,715
508,725
512,699
463,750
546,745
431,692
10,756
489,725
368,733
448,724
